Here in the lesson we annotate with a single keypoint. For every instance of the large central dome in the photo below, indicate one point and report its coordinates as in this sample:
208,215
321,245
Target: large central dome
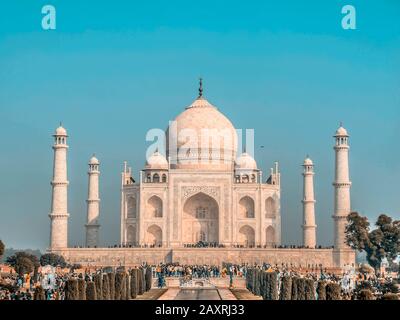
201,137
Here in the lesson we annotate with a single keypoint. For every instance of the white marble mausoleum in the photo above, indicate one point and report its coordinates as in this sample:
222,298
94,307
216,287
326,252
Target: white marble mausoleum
200,190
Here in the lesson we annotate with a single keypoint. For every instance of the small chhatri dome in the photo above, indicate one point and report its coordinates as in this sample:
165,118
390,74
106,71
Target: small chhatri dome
341,132
308,162
94,160
246,162
157,161
60,131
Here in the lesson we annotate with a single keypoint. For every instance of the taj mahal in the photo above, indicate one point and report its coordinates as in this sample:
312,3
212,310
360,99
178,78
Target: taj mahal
201,201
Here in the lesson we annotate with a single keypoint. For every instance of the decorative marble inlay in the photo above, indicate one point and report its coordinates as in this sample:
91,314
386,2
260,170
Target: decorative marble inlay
189,191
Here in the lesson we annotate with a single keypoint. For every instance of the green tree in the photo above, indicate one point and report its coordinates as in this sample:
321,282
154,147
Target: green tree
52,259
24,265
24,262
382,242
2,248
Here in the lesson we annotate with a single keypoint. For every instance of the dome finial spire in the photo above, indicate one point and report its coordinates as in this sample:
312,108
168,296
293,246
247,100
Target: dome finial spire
201,87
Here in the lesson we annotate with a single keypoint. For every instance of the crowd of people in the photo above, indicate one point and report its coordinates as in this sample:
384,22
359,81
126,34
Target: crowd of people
15,287
200,271
202,244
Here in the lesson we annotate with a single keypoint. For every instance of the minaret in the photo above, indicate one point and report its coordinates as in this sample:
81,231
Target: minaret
309,227
342,187
93,204
59,204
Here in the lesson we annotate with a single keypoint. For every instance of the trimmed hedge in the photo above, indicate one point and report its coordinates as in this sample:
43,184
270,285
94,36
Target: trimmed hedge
257,281
309,290
39,293
119,283
81,289
123,286
149,278
106,287
266,285
111,281
295,292
321,290
134,283
141,284
390,296
271,286
91,291
333,291
365,294
71,290
98,281
301,289
128,286
286,288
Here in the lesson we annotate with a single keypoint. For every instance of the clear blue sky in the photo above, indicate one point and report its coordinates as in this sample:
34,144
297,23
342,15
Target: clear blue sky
114,69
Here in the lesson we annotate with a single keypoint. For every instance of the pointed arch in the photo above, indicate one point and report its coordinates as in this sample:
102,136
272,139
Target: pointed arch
270,236
270,208
154,235
154,207
200,219
246,208
246,236
156,178
131,235
131,207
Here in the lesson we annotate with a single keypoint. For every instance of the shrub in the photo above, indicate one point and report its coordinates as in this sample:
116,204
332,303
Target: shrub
301,289
269,285
74,266
39,293
71,290
286,288
23,263
390,296
123,286
106,288
333,291
149,278
127,286
295,295
263,285
309,291
52,259
81,289
250,280
91,291
321,290
134,288
2,248
364,285
390,287
111,277
119,280
98,281
140,281
257,283
365,294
